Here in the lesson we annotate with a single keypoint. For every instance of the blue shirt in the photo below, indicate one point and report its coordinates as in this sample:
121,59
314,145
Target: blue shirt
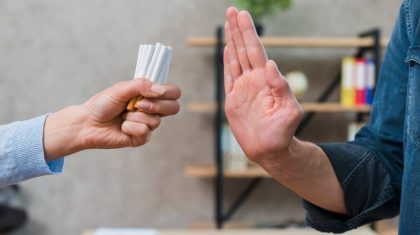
22,152
380,171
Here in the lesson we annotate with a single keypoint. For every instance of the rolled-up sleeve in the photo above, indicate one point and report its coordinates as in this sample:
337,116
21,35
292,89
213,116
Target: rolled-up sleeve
369,190
22,152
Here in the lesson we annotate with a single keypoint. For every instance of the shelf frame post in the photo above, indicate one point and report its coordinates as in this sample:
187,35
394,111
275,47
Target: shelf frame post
376,51
220,216
218,125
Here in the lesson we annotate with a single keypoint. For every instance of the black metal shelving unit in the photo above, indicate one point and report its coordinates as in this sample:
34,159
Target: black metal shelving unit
221,217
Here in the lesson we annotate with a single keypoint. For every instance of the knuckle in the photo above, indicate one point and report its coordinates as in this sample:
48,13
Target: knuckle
142,139
155,122
177,107
142,84
153,106
137,142
178,93
124,126
143,130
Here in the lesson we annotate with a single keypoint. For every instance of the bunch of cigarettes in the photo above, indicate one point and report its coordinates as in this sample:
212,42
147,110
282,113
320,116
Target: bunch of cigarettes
153,63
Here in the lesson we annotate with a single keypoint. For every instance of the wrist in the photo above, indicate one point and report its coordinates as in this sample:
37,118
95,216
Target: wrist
290,163
62,132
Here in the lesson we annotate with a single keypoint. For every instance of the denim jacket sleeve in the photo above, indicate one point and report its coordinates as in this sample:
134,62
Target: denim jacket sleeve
22,152
370,168
369,191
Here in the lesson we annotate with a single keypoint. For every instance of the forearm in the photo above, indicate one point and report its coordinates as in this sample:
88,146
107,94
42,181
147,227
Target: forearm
22,154
305,169
63,132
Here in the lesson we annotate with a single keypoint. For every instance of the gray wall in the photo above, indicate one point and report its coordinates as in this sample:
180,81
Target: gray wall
58,53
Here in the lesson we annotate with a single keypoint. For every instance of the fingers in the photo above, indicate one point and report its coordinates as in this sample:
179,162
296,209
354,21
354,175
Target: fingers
139,132
254,47
151,120
228,74
161,107
235,66
232,18
124,91
172,92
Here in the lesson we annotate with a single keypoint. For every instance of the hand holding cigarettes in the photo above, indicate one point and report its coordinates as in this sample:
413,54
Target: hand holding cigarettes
102,122
153,64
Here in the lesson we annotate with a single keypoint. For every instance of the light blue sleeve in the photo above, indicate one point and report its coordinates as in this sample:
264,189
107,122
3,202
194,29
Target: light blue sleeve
22,152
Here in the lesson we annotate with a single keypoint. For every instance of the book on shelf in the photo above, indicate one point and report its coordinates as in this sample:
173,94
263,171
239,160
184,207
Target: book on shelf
357,81
233,155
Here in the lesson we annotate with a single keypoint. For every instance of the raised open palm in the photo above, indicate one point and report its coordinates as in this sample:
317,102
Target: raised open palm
261,109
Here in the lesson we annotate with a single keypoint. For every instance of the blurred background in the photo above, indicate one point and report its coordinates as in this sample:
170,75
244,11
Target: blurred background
58,53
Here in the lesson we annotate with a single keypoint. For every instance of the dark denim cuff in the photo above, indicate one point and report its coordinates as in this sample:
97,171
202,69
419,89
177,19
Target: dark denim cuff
368,192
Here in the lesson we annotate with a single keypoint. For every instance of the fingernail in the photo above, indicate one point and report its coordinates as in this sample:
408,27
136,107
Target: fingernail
144,105
158,89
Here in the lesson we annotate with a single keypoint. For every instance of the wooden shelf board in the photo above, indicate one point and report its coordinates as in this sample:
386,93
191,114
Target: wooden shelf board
209,171
334,107
296,42
202,107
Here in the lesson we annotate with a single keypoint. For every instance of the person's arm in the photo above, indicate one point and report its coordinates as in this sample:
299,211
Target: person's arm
344,185
264,115
36,147
22,153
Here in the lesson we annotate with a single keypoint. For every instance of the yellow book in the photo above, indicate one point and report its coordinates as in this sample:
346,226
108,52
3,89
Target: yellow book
347,82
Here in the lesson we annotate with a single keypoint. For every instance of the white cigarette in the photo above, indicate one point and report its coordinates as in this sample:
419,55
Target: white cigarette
143,57
140,59
147,59
163,76
155,56
159,64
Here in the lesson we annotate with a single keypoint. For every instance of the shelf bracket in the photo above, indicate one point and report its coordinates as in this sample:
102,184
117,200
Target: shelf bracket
242,198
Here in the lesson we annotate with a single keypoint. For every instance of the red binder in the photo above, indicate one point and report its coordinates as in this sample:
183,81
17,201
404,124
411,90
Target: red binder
360,81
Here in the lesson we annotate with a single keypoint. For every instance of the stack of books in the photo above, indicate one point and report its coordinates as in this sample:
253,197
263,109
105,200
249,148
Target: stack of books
357,81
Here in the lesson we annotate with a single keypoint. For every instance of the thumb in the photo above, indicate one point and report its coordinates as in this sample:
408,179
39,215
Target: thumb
124,91
277,82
